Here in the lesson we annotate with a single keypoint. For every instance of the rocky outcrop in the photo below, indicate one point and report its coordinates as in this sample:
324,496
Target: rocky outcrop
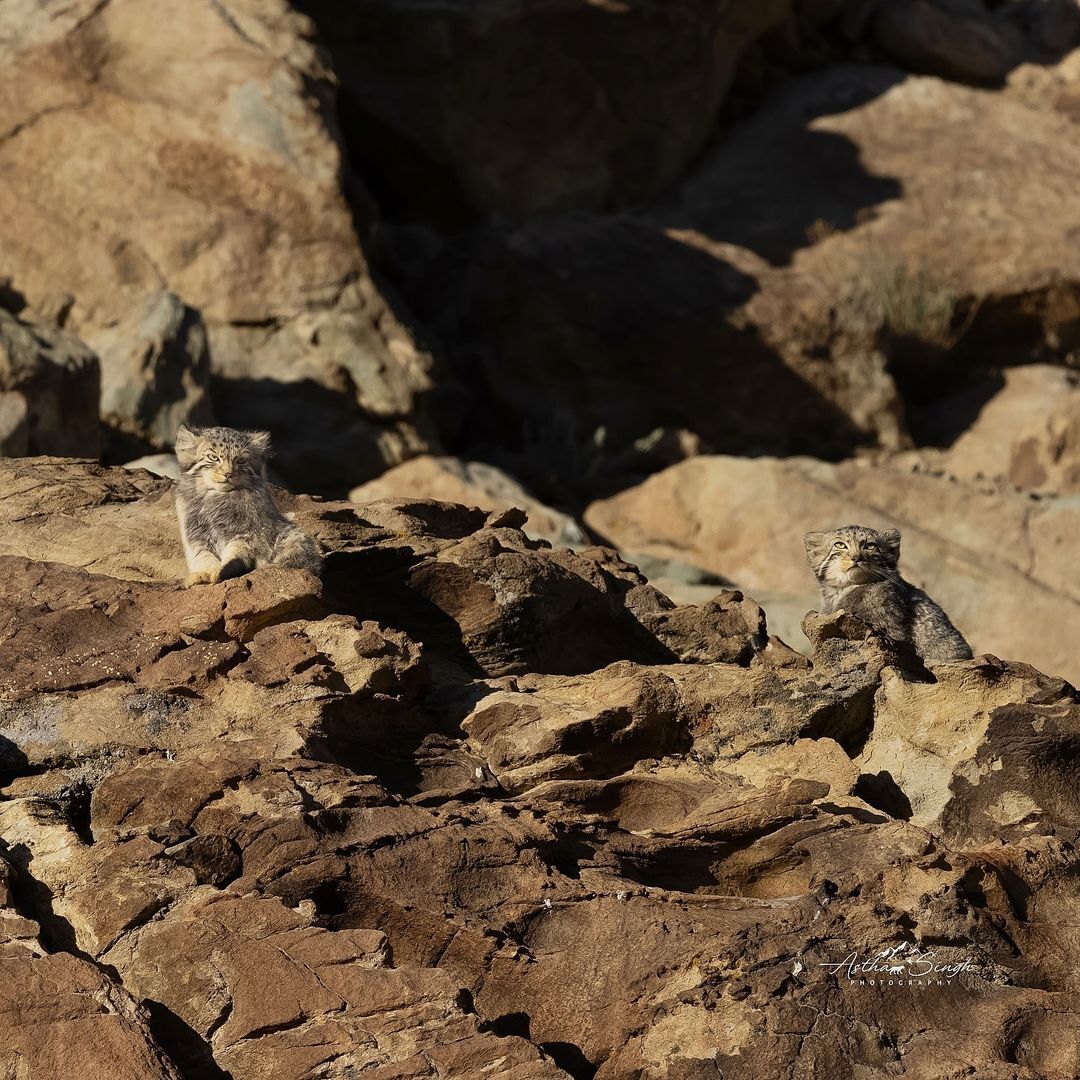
999,560
208,167
769,290
281,828
62,1016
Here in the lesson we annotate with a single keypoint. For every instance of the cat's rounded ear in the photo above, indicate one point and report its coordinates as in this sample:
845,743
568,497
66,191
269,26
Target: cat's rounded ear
891,539
185,445
816,545
260,442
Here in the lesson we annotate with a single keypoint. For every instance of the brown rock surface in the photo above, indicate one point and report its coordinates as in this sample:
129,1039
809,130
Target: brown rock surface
1001,562
447,479
1028,433
62,1016
264,830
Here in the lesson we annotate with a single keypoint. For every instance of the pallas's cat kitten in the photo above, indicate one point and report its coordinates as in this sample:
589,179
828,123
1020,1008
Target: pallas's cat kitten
229,522
856,570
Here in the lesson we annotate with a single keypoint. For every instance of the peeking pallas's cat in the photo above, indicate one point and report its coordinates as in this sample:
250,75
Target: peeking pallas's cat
856,570
229,522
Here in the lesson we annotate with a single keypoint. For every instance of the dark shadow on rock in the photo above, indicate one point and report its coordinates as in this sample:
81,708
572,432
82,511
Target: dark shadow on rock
187,1049
10,298
944,388
1034,326
324,442
766,182
13,762
571,1059
882,791
677,869
582,339
567,1056
381,736
561,624
34,899
373,584
509,1024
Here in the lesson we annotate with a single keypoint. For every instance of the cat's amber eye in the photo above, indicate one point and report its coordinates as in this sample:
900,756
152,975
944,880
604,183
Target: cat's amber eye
839,544
871,546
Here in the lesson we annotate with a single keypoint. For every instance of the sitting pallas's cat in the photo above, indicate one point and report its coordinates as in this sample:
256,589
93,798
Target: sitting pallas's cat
856,571
229,522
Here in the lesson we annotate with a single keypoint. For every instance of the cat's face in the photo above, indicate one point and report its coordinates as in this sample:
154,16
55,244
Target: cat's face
221,458
853,555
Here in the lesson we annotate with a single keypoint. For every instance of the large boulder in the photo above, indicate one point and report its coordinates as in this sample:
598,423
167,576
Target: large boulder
999,561
207,166
976,756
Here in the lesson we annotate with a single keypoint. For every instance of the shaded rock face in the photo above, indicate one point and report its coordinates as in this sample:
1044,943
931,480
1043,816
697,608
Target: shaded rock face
155,373
927,36
49,385
518,110
1000,561
883,236
863,246
277,828
583,336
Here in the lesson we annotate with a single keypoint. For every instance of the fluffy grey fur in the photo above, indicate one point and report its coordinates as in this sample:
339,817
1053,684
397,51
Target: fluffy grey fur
856,570
229,522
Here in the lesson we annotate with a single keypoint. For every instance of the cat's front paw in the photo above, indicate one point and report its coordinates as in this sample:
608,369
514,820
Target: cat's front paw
202,577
